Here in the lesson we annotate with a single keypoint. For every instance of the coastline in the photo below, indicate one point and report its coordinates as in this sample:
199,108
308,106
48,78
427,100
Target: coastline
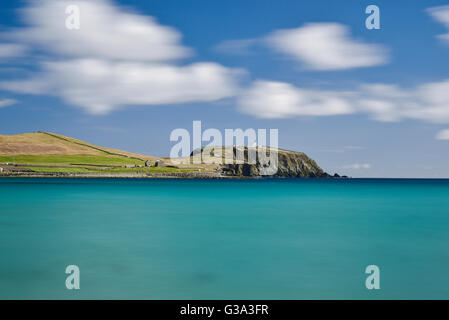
172,175
49,155
179,175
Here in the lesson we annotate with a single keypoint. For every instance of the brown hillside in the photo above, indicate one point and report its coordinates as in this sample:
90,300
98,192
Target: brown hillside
43,143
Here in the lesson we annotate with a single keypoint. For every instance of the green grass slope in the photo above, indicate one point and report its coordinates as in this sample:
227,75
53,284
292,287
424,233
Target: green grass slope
50,152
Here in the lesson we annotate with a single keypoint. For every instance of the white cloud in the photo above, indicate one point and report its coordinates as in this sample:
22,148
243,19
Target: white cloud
343,149
11,50
357,166
117,58
441,14
354,148
382,102
101,86
327,46
443,135
7,102
106,31
269,99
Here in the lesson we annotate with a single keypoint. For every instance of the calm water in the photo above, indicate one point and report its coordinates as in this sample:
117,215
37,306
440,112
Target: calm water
208,239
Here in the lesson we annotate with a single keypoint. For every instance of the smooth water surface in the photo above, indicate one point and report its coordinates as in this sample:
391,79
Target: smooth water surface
224,239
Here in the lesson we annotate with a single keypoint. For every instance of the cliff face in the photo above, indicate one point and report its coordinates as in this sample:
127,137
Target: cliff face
290,164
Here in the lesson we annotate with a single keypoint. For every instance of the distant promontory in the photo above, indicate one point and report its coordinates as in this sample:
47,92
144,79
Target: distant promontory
44,154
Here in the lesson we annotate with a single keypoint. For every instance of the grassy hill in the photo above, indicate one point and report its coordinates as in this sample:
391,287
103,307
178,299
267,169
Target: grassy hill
50,152
45,143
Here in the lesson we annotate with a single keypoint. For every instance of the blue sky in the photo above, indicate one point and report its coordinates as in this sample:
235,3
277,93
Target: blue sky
252,52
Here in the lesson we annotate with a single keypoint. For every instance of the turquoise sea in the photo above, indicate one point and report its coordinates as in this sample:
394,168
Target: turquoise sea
224,239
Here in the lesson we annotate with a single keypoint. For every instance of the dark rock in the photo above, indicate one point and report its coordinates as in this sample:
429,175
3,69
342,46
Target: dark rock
290,164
